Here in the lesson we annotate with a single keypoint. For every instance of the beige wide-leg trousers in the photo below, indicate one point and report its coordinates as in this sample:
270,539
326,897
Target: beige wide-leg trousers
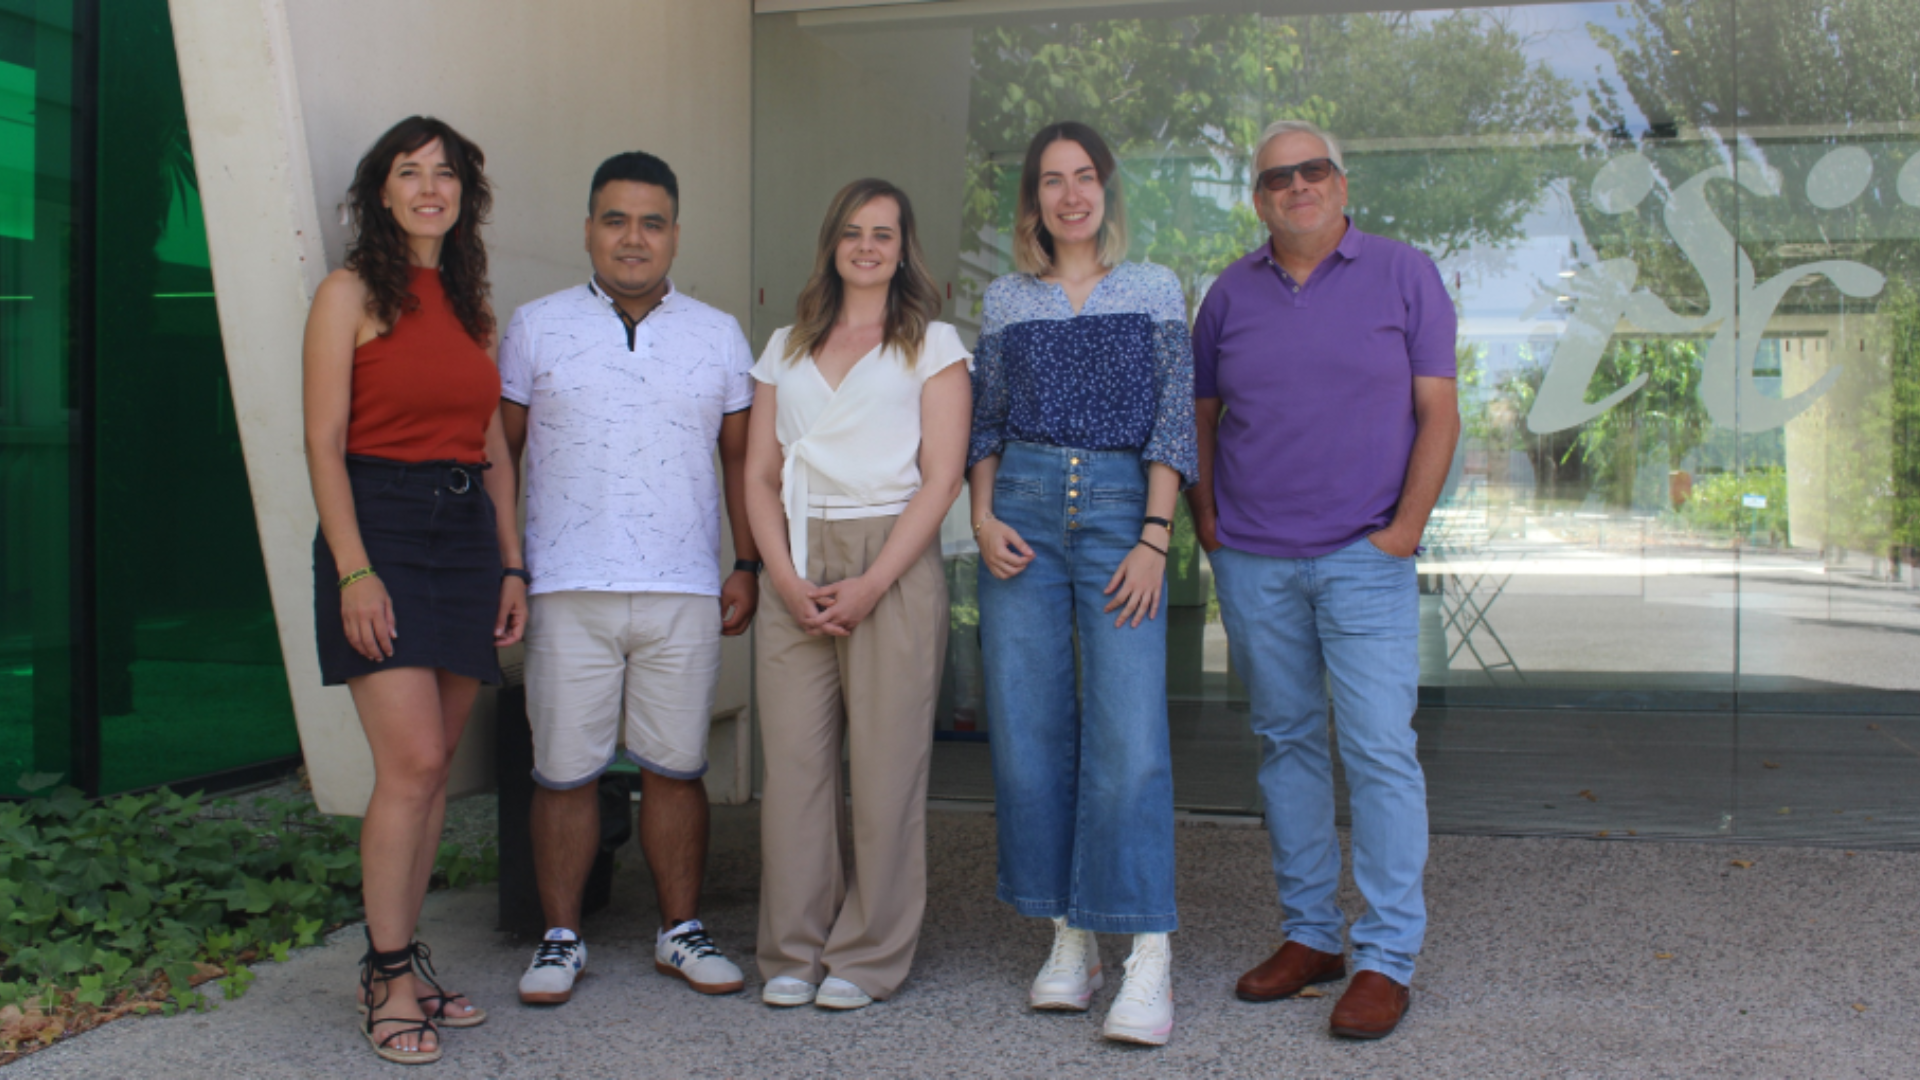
842,893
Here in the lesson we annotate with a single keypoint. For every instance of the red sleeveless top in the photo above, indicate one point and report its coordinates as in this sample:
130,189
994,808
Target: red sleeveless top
426,391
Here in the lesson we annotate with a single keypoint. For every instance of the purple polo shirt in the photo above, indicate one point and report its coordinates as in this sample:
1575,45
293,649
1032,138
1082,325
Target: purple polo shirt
1317,384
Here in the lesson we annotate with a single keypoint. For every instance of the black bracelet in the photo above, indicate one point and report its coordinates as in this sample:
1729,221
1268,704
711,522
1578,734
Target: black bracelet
1160,521
515,571
751,566
1151,547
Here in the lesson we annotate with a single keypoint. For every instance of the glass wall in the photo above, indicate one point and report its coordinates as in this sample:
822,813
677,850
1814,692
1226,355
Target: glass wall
137,640
1670,588
183,606
37,428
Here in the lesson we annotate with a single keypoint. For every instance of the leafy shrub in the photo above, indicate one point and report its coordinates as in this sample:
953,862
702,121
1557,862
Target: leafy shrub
127,904
1715,504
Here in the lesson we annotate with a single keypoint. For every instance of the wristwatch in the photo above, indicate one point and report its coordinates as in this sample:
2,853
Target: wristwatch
751,566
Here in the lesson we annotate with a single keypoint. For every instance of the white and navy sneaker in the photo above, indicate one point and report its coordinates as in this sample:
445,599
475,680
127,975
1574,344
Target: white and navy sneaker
841,994
786,991
1142,1011
556,964
686,951
1071,973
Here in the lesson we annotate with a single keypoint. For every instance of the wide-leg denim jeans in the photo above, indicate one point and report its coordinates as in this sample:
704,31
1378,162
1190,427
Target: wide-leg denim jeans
1350,618
1084,779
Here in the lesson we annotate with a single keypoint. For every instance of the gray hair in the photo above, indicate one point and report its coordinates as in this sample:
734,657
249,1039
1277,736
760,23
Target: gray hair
1303,127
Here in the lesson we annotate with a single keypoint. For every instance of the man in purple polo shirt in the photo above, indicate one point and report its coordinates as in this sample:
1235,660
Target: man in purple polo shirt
1332,353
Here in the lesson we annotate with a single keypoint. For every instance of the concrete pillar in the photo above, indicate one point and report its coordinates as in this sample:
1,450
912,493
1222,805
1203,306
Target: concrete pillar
263,232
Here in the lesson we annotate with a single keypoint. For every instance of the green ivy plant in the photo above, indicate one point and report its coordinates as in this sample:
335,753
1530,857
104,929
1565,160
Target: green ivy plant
127,904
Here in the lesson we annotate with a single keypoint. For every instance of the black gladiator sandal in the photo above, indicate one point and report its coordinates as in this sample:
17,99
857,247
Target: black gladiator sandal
382,968
436,1003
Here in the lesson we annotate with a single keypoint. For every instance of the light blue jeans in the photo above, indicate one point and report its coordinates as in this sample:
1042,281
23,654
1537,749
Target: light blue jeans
1350,618
1084,779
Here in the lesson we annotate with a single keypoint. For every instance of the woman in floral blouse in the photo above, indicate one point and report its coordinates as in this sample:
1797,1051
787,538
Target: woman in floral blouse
1083,436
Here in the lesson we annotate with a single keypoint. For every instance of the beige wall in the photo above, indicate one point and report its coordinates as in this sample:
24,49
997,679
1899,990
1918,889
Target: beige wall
898,103
548,91
282,98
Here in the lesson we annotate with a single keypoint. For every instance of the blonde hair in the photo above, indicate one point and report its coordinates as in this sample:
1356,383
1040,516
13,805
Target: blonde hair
912,299
1032,245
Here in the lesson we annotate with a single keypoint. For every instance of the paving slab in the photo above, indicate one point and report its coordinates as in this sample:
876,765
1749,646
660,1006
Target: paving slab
1545,958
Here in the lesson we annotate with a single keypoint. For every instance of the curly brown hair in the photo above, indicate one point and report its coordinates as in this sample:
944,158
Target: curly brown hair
379,252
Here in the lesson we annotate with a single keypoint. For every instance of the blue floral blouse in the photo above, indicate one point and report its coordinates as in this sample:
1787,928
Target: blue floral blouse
1117,376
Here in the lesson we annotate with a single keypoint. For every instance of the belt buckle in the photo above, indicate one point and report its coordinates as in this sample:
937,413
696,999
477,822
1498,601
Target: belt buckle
460,476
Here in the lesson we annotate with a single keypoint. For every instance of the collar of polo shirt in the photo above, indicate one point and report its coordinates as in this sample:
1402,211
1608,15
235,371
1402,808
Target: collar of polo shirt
593,286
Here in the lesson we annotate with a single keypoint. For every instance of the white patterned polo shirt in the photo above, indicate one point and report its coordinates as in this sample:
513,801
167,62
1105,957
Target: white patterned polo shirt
622,424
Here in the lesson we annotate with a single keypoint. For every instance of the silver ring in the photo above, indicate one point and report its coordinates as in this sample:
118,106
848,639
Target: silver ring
465,479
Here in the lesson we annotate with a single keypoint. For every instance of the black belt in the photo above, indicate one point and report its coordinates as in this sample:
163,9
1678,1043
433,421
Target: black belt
457,477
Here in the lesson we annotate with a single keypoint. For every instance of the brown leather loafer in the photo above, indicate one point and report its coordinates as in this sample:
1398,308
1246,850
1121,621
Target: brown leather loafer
1289,971
1371,1008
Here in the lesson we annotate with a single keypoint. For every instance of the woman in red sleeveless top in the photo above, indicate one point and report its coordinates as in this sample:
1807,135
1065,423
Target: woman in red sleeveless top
417,569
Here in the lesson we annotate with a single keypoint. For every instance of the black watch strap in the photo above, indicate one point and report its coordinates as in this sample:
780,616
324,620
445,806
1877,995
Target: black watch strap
515,571
751,566
1160,521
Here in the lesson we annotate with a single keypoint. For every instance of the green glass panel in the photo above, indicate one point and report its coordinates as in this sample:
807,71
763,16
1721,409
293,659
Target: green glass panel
36,213
191,678
16,150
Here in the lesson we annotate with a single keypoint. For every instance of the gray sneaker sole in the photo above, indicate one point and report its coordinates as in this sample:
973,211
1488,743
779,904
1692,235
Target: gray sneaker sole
552,997
665,968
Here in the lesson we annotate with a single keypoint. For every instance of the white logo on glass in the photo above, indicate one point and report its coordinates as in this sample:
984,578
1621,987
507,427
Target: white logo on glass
1606,295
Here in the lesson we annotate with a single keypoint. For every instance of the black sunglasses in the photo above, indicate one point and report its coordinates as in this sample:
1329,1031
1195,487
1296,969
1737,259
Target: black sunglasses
1280,177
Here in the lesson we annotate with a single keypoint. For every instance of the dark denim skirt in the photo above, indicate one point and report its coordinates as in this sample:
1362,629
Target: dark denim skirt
429,531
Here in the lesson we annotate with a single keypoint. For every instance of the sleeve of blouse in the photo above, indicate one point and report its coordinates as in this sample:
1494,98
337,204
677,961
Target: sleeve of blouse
942,349
989,387
1172,441
772,359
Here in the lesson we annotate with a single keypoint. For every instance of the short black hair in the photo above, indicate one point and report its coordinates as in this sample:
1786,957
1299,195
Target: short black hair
639,167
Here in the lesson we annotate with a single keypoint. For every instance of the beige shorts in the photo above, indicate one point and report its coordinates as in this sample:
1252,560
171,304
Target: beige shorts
595,659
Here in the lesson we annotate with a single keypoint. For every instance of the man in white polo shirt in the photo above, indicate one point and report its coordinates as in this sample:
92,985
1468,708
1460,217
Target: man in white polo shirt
618,390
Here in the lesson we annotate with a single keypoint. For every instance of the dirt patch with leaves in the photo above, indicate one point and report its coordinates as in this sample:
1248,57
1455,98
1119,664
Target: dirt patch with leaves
127,906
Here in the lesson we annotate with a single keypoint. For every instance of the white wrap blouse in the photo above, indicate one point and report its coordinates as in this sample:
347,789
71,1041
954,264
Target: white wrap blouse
854,451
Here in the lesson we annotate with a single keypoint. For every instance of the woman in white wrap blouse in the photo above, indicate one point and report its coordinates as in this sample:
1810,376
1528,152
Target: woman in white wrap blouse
856,446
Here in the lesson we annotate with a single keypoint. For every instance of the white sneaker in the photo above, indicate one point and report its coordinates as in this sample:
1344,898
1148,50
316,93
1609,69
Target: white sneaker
1072,971
1143,1009
687,951
841,994
785,991
559,960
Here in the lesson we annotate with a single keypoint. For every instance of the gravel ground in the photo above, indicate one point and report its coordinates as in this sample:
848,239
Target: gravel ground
472,822
1563,958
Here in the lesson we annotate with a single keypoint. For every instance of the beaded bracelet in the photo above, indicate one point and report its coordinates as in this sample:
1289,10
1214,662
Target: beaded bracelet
363,572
